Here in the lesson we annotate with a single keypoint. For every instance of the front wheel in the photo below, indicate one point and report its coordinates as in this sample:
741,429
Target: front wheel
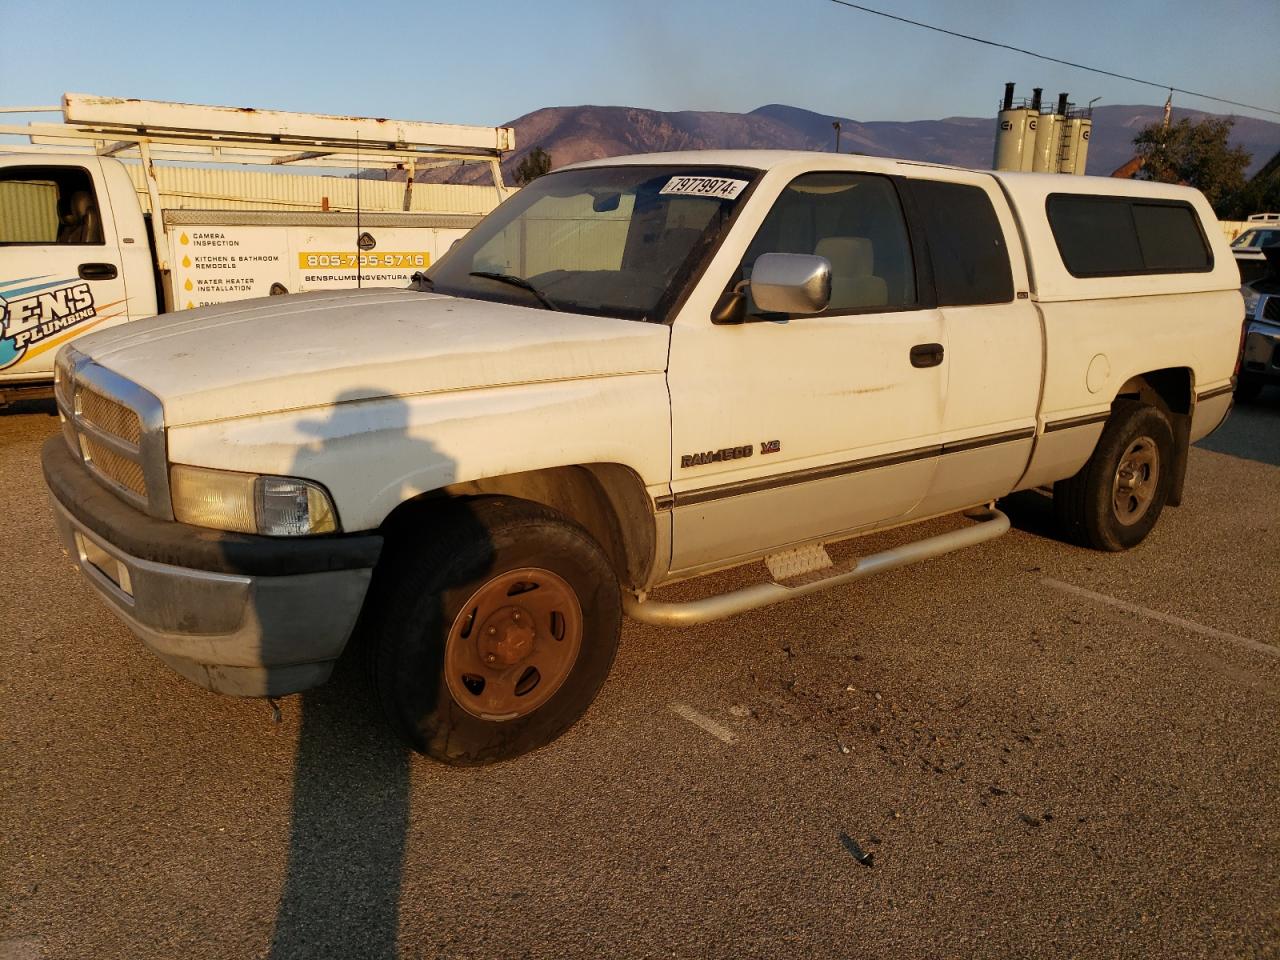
1116,498
495,625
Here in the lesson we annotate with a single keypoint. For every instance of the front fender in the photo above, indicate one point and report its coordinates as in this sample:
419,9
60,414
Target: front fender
372,455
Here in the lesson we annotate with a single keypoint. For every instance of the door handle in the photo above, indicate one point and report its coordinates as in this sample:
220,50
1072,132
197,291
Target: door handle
98,271
926,355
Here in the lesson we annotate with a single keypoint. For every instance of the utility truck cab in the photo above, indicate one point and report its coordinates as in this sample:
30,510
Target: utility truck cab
104,219
635,371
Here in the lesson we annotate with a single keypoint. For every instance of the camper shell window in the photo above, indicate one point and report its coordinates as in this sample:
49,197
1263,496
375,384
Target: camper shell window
1101,236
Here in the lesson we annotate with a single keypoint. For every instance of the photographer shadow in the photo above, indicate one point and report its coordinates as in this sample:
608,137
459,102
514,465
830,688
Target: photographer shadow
351,779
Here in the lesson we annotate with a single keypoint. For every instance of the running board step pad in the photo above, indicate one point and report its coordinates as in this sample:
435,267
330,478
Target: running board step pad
990,523
795,563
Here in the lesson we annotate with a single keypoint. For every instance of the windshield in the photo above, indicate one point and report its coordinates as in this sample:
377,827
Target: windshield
611,241
1257,238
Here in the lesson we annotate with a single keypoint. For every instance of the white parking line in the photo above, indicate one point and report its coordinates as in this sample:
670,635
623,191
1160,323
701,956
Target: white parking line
723,734
1254,645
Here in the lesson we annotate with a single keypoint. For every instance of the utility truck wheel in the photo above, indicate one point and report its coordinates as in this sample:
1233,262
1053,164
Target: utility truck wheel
1116,498
494,623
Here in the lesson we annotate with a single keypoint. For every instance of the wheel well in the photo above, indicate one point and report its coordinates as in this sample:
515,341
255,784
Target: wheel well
1170,391
608,499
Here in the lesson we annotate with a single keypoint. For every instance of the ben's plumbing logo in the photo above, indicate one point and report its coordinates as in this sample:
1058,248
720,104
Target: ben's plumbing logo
35,310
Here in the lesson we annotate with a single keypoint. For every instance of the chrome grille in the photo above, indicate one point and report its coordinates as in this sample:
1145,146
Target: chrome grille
62,379
108,416
116,428
116,467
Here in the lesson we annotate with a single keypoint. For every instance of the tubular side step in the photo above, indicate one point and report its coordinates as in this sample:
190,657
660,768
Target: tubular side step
991,523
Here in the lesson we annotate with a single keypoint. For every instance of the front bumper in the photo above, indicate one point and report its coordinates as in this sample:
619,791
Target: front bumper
238,614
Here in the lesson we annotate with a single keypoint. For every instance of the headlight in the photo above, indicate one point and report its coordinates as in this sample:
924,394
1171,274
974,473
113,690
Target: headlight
1250,302
245,503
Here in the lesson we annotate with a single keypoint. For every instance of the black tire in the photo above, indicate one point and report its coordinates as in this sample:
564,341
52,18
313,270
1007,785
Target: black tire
1248,388
1085,505
433,564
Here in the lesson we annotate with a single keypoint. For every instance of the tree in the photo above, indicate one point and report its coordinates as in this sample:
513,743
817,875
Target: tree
1197,154
1261,194
535,163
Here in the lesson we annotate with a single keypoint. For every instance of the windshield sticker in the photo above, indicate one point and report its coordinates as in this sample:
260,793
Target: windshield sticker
721,188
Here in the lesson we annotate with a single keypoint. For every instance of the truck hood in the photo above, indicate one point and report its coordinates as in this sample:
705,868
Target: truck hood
285,353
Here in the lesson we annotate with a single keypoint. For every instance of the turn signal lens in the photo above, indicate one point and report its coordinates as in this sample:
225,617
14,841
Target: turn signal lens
290,508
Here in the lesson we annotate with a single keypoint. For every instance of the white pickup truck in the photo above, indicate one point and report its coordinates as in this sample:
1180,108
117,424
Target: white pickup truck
633,372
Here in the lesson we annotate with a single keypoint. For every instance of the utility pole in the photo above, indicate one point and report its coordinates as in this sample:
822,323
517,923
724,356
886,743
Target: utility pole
836,125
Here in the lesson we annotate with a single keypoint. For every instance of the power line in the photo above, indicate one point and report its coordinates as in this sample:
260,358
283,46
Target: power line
1065,63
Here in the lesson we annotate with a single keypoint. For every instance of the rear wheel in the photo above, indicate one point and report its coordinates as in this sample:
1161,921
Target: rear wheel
1117,497
494,623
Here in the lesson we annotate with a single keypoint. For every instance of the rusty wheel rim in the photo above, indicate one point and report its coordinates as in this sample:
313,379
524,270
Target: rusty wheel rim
1137,475
513,644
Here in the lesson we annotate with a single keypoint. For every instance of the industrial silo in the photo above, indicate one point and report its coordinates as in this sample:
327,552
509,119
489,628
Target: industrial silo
1014,126
1044,151
1029,140
1075,151
1046,146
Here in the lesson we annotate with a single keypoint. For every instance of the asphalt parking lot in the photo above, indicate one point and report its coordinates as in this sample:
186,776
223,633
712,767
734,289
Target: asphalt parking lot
1025,749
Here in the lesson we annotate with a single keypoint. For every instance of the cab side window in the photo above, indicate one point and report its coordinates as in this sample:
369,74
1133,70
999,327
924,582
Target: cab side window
48,205
966,243
855,221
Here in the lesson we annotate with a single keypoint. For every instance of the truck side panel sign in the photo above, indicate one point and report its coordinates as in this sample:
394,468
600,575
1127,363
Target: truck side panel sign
224,262
36,312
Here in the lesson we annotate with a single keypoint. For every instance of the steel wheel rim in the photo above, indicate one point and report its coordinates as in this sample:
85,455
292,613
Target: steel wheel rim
513,644
1133,489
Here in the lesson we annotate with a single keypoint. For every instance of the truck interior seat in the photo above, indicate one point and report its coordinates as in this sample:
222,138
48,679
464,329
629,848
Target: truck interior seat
853,282
80,222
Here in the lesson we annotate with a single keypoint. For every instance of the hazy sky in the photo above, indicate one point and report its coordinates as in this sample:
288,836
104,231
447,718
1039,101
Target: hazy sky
489,62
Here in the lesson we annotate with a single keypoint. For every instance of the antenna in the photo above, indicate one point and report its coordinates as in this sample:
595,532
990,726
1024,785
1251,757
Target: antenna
359,276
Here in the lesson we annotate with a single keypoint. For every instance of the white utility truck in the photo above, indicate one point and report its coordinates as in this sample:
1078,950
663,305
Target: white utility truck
82,248
635,371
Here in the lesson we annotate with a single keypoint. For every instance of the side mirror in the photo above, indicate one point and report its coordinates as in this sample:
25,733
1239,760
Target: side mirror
797,283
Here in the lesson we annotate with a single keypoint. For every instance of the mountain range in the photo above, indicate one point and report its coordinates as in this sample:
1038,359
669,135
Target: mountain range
571,134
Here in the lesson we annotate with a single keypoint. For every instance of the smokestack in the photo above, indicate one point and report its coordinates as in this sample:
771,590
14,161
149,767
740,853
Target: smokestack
1035,97
1062,104
1008,97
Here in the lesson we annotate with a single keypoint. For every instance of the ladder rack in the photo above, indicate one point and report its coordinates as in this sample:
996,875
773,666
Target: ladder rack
161,131
111,126
158,130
